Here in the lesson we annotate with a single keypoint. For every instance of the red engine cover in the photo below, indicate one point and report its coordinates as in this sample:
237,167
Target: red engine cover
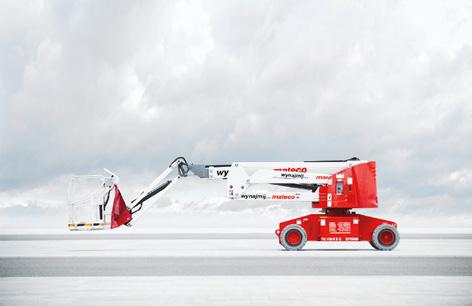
354,187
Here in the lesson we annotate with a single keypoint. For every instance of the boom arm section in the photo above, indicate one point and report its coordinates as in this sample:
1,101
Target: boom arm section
300,181
158,187
283,181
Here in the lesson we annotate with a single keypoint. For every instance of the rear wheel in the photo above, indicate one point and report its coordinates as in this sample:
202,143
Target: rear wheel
293,237
385,237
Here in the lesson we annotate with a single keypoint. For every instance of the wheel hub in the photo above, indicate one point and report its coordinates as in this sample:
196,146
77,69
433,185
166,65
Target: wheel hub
387,237
294,237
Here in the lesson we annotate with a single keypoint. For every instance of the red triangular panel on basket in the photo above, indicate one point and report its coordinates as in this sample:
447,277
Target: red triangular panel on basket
120,214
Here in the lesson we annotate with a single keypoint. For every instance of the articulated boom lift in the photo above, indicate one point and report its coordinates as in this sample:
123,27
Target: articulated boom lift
333,186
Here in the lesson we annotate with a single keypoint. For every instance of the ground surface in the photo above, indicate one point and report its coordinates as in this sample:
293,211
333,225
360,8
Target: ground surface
233,268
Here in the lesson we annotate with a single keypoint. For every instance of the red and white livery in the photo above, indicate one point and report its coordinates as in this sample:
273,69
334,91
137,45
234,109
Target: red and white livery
335,187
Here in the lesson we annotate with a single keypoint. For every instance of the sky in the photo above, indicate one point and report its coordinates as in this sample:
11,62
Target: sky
129,85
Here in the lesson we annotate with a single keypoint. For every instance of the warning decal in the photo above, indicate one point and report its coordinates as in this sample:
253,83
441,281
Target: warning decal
341,227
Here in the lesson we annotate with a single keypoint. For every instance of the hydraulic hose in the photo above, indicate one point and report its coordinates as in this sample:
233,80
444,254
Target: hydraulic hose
182,166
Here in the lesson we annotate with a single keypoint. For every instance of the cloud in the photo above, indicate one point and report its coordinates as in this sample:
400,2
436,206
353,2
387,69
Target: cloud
130,85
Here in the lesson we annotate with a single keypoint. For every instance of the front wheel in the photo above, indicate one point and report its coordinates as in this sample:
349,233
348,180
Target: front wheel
385,237
293,237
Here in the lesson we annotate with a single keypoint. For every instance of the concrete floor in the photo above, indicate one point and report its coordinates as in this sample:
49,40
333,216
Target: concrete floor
213,269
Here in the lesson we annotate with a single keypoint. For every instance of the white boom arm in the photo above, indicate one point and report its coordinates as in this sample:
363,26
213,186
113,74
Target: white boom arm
301,178
158,188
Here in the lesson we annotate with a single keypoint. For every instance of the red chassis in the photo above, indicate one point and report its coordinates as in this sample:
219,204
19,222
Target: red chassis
337,225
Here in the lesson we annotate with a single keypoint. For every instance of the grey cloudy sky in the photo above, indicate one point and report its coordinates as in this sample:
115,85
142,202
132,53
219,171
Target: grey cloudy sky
129,85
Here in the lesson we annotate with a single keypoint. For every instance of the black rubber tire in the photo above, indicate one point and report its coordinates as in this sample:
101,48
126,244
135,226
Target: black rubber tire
376,240
286,244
